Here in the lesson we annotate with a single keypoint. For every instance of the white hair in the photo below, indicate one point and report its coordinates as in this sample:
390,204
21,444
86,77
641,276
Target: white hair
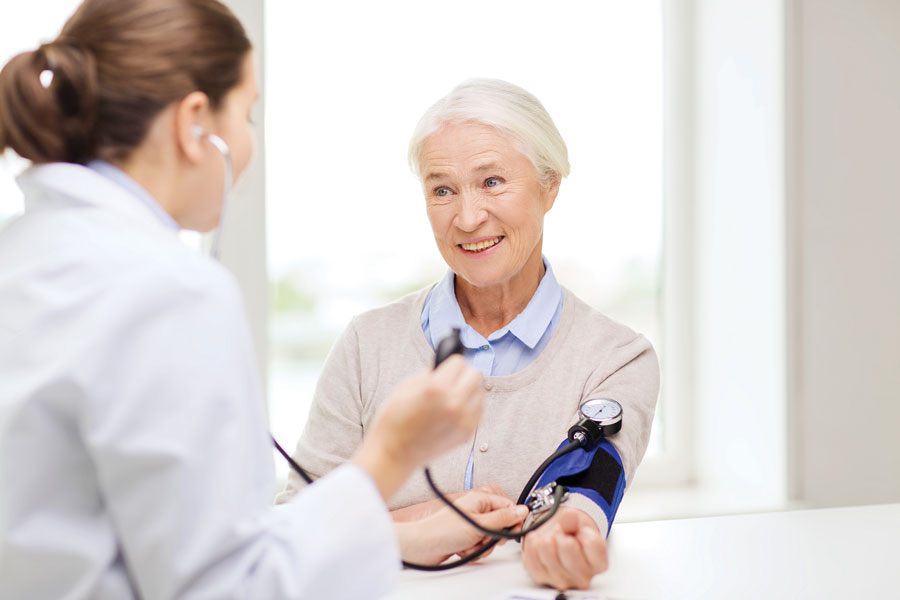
508,108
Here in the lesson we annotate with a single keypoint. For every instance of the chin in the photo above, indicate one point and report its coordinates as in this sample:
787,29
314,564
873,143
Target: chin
482,279
210,227
205,225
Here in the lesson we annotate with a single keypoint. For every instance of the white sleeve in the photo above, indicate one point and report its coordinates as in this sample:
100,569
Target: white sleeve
346,524
178,439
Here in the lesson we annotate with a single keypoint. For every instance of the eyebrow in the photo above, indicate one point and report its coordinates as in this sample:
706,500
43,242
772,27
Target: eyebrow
433,175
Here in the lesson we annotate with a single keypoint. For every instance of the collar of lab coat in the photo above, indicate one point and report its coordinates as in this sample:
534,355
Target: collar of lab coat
61,184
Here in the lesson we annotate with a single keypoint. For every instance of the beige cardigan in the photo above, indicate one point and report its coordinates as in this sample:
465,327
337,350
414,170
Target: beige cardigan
526,416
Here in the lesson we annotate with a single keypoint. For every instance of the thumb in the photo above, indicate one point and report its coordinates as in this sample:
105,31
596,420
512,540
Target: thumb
568,522
501,518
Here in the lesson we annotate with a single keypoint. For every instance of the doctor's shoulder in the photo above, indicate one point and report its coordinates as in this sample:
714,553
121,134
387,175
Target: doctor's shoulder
151,274
182,274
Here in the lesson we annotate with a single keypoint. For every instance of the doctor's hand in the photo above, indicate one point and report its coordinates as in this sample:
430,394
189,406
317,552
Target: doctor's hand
435,538
425,416
566,552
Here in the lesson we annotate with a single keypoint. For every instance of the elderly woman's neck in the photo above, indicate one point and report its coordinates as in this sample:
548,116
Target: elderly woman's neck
487,309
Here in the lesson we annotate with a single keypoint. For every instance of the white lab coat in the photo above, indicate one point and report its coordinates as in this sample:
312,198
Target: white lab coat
134,458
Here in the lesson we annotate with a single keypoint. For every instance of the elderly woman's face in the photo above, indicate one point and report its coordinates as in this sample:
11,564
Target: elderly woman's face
485,202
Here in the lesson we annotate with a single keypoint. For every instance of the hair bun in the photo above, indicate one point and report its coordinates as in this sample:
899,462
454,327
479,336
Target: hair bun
48,103
95,91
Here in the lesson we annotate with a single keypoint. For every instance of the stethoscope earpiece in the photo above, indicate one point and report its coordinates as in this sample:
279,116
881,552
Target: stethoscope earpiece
220,145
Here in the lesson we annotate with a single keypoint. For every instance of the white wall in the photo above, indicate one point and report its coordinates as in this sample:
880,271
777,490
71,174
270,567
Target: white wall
788,175
243,236
724,259
844,284
739,248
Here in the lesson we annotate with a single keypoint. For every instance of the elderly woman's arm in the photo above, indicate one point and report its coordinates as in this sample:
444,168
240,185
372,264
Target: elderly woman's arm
571,548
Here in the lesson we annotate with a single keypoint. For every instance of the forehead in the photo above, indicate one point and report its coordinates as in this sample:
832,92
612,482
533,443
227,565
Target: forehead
467,146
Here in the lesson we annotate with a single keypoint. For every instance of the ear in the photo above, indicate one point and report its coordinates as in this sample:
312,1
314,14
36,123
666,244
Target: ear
190,112
551,189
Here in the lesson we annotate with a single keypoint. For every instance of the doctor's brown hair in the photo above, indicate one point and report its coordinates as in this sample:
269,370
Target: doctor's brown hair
115,66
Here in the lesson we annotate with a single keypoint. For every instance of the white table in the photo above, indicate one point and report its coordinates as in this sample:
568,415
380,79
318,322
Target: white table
837,553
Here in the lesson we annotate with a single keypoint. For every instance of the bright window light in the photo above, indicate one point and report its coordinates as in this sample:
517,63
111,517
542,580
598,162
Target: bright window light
346,83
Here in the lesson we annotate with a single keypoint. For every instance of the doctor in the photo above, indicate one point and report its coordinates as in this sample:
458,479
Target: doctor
134,458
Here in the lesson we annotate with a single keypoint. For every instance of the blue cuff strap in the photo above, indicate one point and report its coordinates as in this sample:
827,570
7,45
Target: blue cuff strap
597,474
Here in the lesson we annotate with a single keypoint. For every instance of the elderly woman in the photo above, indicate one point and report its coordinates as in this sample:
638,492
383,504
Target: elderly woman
491,161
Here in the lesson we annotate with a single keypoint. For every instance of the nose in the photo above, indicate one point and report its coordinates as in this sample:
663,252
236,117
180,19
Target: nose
470,212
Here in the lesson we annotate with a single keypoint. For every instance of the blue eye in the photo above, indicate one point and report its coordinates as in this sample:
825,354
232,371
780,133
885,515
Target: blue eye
441,191
492,182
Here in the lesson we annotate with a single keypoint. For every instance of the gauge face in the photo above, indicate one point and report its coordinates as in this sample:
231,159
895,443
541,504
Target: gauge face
601,409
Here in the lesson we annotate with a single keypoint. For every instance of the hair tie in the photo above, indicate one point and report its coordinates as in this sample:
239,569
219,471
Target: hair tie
47,75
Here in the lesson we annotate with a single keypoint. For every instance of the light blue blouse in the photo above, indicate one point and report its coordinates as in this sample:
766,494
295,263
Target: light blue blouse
505,351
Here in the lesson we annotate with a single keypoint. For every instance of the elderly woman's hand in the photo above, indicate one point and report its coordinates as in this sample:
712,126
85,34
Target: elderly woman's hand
414,512
566,552
435,538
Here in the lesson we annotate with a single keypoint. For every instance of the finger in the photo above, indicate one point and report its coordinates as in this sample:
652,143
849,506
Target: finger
503,517
441,384
500,501
471,549
476,548
466,382
471,410
594,546
493,488
577,571
532,564
488,553
450,370
568,522
481,502
496,501
466,395
548,556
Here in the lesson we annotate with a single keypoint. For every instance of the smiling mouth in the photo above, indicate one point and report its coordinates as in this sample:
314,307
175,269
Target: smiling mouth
481,246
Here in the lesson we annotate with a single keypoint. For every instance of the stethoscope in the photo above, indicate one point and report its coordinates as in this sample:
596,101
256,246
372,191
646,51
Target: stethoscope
220,145
599,418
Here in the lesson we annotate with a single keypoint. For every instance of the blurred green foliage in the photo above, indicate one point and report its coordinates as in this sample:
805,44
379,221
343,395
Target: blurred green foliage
288,296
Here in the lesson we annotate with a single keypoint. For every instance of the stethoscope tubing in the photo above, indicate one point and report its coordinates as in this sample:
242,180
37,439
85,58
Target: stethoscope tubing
505,533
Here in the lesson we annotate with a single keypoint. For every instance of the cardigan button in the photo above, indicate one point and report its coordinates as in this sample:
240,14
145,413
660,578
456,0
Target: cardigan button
488,386
483,447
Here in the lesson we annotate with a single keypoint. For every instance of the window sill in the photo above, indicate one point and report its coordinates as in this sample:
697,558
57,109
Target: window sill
654,503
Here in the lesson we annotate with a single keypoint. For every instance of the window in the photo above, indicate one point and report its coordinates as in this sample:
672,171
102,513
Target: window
347,231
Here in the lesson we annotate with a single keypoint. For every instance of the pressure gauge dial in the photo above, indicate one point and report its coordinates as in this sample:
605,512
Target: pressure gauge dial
600,417
602,411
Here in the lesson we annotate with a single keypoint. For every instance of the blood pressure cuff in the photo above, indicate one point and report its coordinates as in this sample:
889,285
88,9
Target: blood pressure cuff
596,474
